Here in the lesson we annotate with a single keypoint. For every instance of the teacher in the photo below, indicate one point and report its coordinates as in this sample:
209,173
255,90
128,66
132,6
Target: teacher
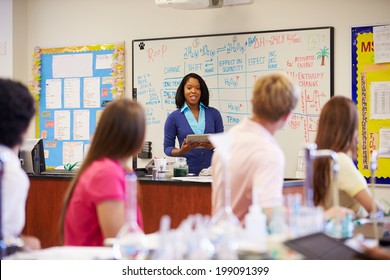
193,116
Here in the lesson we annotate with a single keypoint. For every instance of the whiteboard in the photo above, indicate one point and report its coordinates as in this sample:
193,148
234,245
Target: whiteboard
230,64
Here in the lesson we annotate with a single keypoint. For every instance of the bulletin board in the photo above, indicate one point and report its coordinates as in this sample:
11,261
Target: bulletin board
72,85
230,64
371,92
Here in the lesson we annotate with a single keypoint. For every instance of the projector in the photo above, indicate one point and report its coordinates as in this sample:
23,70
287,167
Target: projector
199,4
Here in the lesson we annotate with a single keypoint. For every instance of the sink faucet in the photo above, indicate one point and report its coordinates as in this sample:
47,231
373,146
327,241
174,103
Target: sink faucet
312,153
373,166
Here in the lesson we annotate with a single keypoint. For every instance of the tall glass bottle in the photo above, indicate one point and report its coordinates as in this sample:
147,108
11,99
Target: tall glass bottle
131,242
224,226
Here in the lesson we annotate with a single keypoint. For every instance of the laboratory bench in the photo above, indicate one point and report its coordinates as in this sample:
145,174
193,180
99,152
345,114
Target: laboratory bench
178,199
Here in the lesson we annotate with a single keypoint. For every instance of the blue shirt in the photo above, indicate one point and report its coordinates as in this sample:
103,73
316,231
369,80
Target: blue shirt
178,126
196,126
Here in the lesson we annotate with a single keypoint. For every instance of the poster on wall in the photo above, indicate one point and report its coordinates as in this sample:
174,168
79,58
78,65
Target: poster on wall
72,86
371,92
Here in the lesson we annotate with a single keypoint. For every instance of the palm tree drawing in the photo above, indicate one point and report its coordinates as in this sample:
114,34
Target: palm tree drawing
322,53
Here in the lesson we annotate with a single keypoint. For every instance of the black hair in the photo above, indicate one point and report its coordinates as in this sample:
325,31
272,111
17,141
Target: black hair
205,95
17,107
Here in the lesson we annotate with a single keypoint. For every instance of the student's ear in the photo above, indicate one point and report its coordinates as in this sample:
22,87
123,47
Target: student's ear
28,131
286,116
284,119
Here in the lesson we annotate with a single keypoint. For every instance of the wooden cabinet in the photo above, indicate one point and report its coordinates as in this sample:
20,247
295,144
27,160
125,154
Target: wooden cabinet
43,209
156,198
175,200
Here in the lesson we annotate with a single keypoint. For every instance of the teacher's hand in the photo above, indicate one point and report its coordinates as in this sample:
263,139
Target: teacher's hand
206,145
188,146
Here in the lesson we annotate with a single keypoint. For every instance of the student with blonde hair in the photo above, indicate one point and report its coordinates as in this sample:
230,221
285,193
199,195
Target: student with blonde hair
95,204
256,161
338,131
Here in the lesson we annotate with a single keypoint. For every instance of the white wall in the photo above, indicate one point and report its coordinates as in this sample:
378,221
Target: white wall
13,40
57,23
6,38
19,41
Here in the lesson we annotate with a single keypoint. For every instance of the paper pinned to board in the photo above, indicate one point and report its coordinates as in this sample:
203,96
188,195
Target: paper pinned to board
382,43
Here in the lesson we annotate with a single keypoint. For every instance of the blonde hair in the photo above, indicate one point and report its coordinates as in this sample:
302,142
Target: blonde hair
119,135
274,95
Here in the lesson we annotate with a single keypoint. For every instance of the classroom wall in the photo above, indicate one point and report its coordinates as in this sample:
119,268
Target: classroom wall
6,38
13,39
56,23
20,53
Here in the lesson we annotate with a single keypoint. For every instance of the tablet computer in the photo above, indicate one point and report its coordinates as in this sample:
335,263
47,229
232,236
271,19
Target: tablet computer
319,246
197,138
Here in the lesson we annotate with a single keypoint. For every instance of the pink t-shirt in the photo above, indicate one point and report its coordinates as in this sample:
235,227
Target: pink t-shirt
103,180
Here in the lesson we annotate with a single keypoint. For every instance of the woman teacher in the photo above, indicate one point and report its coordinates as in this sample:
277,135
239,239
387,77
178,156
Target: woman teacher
193,116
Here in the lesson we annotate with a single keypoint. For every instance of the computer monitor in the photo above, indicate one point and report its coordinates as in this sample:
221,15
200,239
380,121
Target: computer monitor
32,156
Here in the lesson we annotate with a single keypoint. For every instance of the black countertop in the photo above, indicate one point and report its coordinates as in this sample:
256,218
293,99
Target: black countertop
149,180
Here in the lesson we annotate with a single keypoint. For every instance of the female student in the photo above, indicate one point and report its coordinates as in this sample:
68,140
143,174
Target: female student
193,116
338,131
95,205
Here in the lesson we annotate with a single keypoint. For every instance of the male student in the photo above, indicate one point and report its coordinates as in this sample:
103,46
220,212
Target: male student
257,162
17,108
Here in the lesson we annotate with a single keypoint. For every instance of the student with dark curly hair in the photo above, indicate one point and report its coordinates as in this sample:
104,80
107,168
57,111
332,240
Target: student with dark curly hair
17,108
193,116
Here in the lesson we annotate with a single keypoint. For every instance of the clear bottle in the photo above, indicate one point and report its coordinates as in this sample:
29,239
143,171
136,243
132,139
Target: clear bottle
180,167
131,242
256,228
225,228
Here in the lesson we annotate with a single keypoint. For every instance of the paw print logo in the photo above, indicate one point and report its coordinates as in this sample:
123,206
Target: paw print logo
196,43
141,45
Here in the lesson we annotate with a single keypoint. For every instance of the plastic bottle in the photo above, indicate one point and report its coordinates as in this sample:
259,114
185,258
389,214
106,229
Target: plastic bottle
256,228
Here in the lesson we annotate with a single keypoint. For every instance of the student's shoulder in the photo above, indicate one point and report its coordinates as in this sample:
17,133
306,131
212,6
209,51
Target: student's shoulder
344,159
106,166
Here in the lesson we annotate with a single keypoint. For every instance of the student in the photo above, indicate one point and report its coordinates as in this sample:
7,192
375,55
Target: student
95,205
17,109
193,116
338,131
257,162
